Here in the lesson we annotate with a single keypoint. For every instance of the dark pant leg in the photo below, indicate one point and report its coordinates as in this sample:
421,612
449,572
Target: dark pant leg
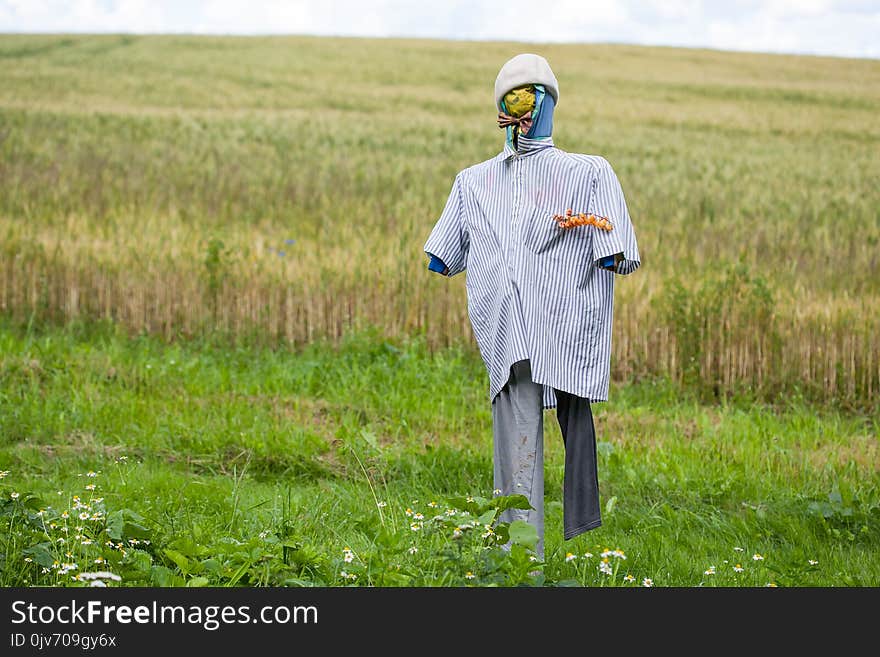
580,493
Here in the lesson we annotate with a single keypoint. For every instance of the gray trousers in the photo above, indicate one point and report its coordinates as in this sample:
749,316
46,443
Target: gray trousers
518,445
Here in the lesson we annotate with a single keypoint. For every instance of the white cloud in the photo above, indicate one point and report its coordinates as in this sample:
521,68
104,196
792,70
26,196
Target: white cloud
841,27
81,16
785,8
675,9
815,27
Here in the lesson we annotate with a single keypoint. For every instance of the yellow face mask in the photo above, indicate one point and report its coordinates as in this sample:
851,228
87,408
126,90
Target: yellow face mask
520,100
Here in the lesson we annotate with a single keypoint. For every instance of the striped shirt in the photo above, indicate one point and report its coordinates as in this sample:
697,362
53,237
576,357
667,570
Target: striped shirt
535,290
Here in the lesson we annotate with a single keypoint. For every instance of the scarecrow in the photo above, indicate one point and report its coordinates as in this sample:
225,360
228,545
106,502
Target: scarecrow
541,233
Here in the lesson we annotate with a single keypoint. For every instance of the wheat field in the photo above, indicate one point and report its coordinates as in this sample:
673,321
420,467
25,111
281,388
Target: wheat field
281,189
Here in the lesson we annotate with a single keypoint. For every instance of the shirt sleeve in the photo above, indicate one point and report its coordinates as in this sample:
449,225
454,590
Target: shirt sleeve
449,240
608,201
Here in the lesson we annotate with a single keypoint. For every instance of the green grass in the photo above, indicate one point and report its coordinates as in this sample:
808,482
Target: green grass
223,443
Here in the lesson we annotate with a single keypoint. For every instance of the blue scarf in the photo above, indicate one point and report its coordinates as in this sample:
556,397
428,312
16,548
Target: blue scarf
542,116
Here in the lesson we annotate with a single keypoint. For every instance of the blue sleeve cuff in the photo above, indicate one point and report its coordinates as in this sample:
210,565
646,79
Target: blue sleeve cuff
607,262
436,264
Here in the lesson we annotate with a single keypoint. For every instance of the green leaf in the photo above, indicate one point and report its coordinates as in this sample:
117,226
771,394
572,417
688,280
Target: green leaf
188,547
605,448
138,560
502,533
296,581
393,579
298,554
504,502
135,530
125,523
34,502
180,560
40,553
522,533
609,505
492,559
538,579
211,565
834,496
371,439
475,505
165,577
238,574
462,503
488,517
115,523
197,582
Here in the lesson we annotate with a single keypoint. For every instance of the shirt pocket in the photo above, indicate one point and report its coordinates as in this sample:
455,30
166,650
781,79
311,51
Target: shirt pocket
538,230
542,235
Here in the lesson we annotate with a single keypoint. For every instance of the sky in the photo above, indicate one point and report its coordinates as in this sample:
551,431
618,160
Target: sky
847,28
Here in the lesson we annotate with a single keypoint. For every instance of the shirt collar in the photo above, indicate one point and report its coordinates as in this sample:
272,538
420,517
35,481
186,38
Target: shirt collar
527,146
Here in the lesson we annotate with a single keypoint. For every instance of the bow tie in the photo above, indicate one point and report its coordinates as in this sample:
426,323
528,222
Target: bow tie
524,122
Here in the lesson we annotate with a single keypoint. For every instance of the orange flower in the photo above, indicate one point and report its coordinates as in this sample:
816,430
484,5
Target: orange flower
571,220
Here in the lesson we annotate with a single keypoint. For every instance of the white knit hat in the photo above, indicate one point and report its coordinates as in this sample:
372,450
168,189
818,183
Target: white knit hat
525,68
